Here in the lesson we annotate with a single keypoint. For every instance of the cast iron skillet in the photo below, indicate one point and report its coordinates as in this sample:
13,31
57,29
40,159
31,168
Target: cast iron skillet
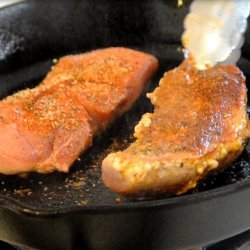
75,210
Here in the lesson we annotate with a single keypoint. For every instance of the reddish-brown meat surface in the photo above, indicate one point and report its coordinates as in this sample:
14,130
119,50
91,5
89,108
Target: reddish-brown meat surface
199,124
46,128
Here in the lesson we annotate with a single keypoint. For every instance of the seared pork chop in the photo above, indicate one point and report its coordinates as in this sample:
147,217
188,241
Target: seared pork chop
199,125
46,128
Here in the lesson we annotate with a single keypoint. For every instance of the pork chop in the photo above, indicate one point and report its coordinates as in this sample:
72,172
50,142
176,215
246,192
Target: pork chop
46,128
199,125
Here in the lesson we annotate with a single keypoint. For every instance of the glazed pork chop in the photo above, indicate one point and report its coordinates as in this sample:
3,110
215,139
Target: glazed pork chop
46,128
199,125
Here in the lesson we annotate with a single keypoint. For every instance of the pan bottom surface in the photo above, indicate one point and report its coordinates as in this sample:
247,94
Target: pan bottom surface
83,185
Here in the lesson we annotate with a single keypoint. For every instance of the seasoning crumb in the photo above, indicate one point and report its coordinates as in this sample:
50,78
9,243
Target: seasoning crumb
2,182
45,189
78,184
40,183
180,3
54,60
118,200
23,192
23,175
82,202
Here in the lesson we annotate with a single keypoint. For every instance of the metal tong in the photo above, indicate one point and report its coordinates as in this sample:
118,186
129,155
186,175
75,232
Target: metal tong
214,31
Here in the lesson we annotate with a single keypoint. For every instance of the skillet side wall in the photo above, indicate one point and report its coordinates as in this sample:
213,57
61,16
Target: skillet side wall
173,226
36,30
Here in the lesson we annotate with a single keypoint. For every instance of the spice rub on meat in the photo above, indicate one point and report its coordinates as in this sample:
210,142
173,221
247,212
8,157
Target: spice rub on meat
46,128
199,125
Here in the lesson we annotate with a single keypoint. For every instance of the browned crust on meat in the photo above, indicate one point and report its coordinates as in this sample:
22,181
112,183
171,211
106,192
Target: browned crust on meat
199,125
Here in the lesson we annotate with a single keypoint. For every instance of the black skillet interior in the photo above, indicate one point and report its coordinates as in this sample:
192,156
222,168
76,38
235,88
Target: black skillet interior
33,33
